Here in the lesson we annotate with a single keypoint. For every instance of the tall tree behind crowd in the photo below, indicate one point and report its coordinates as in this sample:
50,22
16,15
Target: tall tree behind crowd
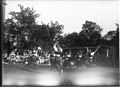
21,31
90,35
92,32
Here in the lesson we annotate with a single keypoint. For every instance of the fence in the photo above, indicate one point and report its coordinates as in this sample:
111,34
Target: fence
105,56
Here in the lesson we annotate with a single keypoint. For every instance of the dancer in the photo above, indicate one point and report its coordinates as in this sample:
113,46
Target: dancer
58,59
91,55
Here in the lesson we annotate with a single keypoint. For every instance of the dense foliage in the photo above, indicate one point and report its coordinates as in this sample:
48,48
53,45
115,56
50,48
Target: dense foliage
22,32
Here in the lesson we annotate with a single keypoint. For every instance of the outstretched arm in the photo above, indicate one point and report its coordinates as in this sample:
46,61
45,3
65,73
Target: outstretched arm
97,49
93,53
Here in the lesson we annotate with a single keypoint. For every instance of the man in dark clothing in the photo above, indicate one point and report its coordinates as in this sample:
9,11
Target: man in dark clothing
32,60
52,61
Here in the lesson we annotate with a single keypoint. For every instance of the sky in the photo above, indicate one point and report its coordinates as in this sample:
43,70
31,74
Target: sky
72,13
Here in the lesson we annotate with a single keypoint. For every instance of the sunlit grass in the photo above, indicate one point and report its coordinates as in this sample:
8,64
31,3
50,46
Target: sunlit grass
81,76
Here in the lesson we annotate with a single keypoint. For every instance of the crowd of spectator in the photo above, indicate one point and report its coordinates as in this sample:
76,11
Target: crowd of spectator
17,58
48,58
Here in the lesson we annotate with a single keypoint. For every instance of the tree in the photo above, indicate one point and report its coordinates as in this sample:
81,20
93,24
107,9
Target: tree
90,35
46,35
55,30
71,40
92,32
8,36
115,43
112,39
19,27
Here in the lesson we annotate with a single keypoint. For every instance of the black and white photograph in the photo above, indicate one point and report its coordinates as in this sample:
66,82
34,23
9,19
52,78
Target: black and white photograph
60,43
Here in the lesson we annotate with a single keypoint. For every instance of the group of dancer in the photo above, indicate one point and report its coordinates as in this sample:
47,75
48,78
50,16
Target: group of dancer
59,61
